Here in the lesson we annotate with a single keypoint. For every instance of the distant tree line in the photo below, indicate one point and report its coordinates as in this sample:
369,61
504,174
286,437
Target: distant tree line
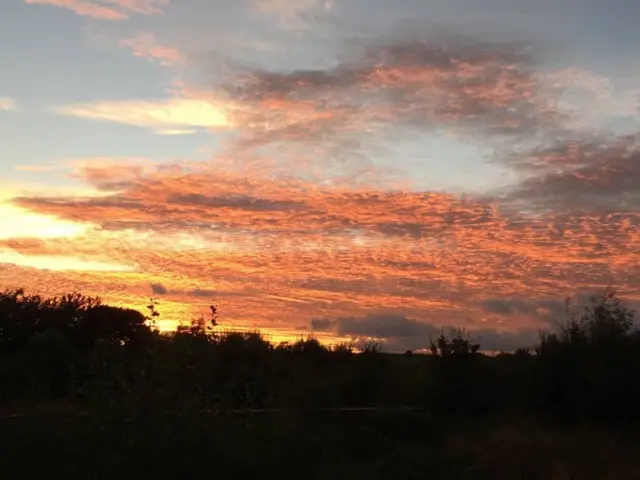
75,350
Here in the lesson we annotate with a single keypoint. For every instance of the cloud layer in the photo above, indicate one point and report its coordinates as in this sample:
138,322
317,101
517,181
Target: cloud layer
293,226
290,249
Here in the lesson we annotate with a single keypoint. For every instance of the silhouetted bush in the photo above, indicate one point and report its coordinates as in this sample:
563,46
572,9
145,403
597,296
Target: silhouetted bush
75,349
589,369
104,394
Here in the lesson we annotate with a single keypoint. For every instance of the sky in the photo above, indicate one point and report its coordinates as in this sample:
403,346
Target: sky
358,169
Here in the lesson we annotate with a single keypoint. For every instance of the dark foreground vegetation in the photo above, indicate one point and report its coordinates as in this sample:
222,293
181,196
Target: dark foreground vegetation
92,391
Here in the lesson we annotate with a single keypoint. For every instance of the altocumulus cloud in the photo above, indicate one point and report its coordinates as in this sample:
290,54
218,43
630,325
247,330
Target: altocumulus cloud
297,246
335,248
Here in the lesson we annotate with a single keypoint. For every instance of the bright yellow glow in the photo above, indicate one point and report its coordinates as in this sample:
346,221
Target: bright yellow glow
16,222
59,263
10,189
165,116
8,104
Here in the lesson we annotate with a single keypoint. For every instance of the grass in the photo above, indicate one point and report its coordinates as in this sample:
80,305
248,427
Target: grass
130,442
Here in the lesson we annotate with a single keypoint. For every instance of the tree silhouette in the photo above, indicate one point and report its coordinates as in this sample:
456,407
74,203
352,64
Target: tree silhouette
589,369
456,346
74,347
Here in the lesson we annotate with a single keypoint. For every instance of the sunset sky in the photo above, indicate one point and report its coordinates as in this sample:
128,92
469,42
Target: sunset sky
355,168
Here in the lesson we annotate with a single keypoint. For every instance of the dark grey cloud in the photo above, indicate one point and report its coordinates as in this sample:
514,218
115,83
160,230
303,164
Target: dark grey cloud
243,202
320,324
202,292
159,289
608,187
400,333
595,176
545,309
384,326
496,340
117,201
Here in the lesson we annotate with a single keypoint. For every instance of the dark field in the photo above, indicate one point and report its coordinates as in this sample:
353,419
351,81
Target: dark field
114,442
95,392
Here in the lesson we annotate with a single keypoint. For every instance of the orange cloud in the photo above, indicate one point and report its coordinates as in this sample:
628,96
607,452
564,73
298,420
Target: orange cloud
390,87
277,253
483,91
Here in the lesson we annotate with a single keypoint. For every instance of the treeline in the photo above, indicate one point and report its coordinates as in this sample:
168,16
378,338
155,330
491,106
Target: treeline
73,350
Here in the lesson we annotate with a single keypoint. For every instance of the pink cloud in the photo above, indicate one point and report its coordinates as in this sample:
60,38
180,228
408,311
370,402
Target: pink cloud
106,9
145,45
146,7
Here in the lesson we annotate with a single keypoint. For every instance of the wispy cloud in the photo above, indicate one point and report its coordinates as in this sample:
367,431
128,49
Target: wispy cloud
107,9
145,45
385,89
147,7
397,87
59,263
36,168
171,116
294,14
8,104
